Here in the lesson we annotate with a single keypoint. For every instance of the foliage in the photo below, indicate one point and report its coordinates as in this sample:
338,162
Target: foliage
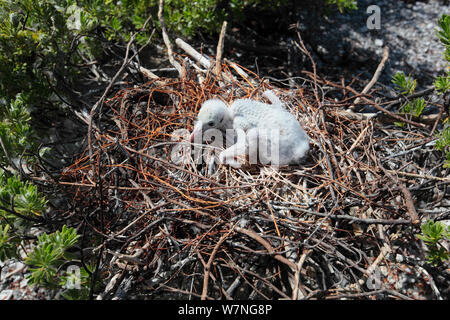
33,37
49,254
77,283
8,243
343,4
17,198
432,234
405,84
415,107
444,32
443,144
21,197
442,84
15,132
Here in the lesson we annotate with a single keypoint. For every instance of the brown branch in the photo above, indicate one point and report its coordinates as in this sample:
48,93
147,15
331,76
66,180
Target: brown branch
219,50
373,103
303,49
441,112
410,204
375,76
210,261
166,39
268,247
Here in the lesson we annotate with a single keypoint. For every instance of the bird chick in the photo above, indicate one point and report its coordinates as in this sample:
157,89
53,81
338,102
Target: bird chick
257,125
213,114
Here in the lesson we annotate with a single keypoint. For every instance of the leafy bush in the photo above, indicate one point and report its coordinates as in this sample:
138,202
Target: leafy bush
406,86
77,283
16,135
432,234
19,197
442,85
443,144
343,4
49,267
49,254
8,243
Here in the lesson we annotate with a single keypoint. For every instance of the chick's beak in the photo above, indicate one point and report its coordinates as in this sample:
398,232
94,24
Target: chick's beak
197,131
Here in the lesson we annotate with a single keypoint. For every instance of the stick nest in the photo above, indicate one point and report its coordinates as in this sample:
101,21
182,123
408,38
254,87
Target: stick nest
332,227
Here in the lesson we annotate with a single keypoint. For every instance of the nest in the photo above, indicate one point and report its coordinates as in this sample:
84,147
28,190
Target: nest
322,229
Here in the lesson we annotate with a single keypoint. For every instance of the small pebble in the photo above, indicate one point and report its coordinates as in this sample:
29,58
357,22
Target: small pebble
23,283
6,294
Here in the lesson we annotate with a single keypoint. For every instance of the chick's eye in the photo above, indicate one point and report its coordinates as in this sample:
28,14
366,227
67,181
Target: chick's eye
211,123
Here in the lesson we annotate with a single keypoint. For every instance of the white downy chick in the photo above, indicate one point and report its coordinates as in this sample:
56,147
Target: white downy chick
213,114
258,122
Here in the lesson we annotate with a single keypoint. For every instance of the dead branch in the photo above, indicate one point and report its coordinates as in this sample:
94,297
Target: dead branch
166,39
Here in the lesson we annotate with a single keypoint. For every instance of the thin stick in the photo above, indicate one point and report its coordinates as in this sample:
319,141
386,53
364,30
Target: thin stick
358,140
167,41
365,294
303,49
205,62
105,93
271,213
348,217
441,112
5,151
374,78
419,176
219,50
373,103
301,261
393,115
432,283
410,204
268,247
208,265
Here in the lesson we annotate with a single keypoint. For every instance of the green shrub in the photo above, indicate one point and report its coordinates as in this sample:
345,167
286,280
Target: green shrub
443,144
15,132
8,243
20,197
406,85
49,267
432,234
442,85
343,4
49,254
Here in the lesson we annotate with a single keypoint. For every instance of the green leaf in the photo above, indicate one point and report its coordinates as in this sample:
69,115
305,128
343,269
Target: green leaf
444,32
405,84
48,255
442,83
432,233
